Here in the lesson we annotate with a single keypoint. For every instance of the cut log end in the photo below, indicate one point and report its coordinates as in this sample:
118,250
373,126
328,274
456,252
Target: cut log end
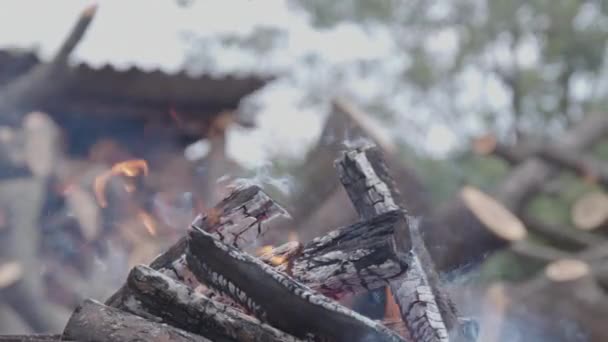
590,212
493,215
567,270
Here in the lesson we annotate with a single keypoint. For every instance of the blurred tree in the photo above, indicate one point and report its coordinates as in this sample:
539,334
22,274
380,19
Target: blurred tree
546,57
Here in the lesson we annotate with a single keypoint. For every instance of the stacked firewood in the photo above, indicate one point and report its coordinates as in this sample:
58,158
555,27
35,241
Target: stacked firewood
208,286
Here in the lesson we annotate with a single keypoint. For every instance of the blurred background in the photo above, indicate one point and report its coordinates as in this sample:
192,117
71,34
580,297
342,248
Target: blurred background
120,121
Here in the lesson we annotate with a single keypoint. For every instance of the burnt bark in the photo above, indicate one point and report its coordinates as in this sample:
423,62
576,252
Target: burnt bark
238,220
425,307
155,296
93,321
275,297
351,259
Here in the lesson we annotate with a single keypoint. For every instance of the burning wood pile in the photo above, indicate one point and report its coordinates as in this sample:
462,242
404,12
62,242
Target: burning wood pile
208,287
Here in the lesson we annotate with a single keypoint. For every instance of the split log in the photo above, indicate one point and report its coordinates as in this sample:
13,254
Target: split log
154,296
590,212
425,307
95,322
239,220
42,81
275,297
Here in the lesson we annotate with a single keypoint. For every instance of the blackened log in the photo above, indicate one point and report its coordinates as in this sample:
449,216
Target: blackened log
239,220
350,259
95,322
425,307
275,297
319,201
155,296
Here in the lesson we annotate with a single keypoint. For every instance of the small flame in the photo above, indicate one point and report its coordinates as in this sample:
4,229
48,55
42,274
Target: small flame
129,168
273,259
148,222
265,249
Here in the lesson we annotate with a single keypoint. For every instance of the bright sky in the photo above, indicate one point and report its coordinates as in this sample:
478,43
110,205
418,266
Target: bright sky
147,33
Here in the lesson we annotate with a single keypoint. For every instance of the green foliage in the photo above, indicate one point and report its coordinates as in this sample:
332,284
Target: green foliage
534,48
326,14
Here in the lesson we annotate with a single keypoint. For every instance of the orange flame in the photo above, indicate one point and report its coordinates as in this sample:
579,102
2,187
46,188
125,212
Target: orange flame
148,222
274,259
129,168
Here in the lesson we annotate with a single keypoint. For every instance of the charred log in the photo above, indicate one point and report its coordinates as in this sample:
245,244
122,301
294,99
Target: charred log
155,296
351,259
425,307
275,297
238,220
93,322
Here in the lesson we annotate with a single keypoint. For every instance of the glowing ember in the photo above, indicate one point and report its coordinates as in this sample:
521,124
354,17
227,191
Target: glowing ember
148,222
129,168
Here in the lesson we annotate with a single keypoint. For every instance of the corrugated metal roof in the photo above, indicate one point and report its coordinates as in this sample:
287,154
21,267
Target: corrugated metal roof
110,87
142,104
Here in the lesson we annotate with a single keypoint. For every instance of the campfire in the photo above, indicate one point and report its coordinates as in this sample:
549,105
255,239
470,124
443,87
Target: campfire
210,286
122,214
